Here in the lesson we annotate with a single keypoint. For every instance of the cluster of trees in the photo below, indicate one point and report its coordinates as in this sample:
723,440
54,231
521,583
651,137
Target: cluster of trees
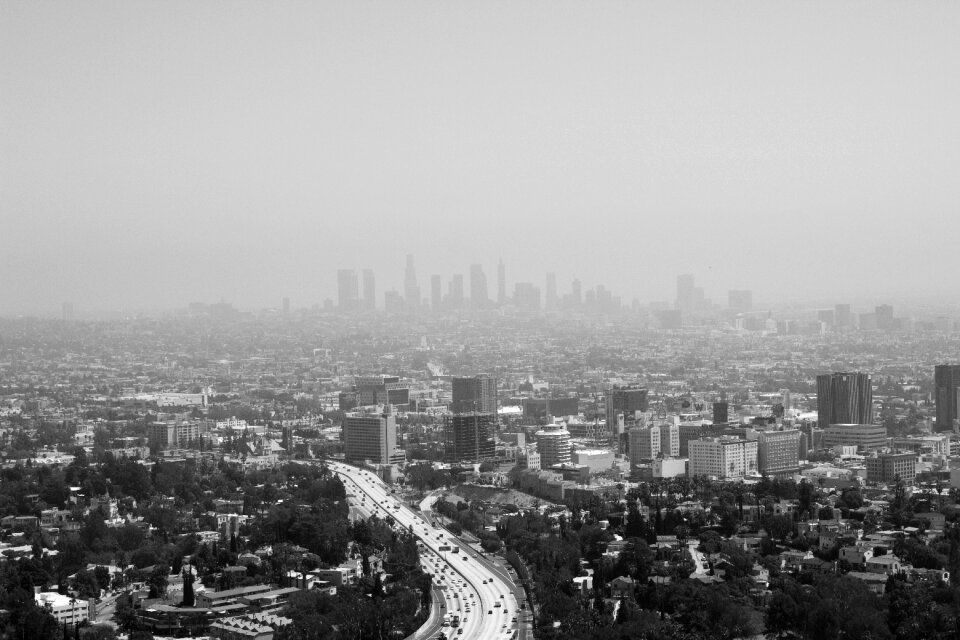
548,551
372,609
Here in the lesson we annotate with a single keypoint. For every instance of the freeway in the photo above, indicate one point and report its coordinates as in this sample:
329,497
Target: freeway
483,599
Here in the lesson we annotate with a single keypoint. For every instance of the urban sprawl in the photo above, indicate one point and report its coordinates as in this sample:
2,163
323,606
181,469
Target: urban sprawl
481,465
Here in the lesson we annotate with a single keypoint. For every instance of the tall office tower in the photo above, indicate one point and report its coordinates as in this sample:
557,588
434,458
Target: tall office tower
67,311
411,291
690,431
740,300
369,290
842,319
778,452
286,306
478,393
721,412
669,440
686,293
455,293
884,314
469,436
526,296
392,301
369,436
644,444
844,398
553,445
577,291
827,317
348,290
946,380
627,400
501,283
478,287
551,291
385,390
436,293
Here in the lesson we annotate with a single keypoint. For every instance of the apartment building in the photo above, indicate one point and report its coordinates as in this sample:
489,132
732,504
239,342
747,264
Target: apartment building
723,458
778,452
886,467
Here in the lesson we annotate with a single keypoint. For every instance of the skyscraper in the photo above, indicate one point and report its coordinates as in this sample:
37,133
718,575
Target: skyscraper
844,398
436,293
526,296
369,290
411,290
841,316
884,314
685,294
455,293
469,436
778,452
577,292
644,444
740,300
478,287
551,291
501,284
627,400
348,290
946,380
477,393
553,445
369,437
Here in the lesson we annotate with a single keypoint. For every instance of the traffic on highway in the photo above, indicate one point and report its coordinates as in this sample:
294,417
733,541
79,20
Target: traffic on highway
477,602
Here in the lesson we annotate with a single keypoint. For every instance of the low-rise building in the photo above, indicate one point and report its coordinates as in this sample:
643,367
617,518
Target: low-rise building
65,609
887,467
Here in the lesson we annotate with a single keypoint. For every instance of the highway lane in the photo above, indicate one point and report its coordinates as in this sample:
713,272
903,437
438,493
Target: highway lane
482,598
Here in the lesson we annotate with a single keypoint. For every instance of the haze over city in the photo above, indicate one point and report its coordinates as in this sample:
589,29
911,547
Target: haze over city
154,154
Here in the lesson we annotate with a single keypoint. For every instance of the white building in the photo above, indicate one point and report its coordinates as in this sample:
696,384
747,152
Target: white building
669,467
595,459
64,608
533,460
723,458
670,439
645,444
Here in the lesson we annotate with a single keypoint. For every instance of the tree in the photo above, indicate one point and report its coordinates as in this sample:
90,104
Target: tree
779,527
188,598
158,581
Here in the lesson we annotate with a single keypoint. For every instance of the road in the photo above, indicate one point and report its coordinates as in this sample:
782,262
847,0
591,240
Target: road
482,597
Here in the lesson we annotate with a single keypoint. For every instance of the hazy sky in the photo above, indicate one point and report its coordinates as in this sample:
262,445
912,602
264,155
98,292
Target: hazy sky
157,153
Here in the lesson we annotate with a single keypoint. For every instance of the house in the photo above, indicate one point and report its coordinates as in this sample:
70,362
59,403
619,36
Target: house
817,565
887,565
931,575
760,575
622,586
583,585
856,554
875,582
791,560
337,576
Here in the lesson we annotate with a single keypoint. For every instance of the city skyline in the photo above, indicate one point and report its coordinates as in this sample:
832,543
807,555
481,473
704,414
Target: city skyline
358,288
153,157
